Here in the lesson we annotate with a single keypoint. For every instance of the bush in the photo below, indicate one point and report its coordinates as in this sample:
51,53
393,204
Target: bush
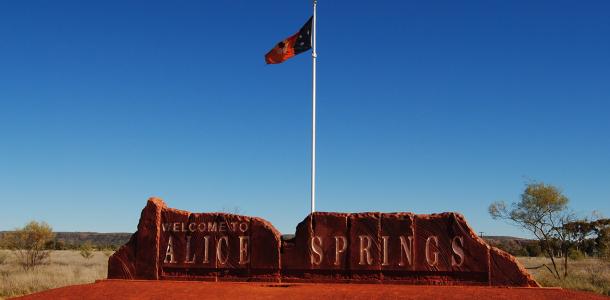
533,249
86,250
576,254
29,243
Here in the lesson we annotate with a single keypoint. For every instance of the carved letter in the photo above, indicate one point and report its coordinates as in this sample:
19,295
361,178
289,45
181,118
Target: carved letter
206,247
431,262
339,250
406,249
222,259
365,250
316,249
188,251
244,242
243,227
212,226
385,250
169,253
458,249
192,227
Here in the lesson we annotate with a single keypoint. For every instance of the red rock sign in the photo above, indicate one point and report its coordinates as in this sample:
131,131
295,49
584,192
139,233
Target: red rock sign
327,247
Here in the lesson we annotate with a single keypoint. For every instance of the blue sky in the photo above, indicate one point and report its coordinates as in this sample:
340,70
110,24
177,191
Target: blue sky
423,106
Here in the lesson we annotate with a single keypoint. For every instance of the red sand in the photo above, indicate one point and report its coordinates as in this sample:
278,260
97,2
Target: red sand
126,289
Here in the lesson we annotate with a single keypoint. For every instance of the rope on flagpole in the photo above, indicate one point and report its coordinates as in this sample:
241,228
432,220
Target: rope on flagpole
314,55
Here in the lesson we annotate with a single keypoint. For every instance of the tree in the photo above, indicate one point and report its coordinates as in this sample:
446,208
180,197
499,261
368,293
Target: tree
533,249
602,241
578,231
590,237
542,211
29,243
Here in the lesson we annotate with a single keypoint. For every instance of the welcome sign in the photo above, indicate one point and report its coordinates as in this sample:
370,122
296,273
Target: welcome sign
375,247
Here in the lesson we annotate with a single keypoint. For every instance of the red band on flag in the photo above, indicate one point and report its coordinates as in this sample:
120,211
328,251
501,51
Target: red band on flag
282,51
297,43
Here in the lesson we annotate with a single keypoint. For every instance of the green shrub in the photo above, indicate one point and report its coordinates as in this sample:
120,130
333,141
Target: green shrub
86,250
576,254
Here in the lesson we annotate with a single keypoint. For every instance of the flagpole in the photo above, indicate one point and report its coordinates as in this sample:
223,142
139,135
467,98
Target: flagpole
313,112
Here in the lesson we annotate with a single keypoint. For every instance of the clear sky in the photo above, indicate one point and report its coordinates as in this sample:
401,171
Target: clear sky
423,106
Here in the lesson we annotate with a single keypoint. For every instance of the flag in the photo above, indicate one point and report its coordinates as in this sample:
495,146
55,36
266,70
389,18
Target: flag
297,43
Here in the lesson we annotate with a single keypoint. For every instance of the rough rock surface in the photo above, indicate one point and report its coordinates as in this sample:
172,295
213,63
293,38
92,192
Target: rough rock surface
372,247
204,246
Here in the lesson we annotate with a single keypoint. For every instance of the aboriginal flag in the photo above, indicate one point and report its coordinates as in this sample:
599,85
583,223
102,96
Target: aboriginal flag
297,43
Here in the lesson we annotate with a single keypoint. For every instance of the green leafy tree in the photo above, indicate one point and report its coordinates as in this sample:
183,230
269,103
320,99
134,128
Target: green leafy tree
578,231
28,243
602,241
542,211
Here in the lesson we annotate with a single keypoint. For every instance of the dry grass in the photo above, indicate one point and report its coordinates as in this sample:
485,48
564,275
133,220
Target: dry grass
589,274
64,268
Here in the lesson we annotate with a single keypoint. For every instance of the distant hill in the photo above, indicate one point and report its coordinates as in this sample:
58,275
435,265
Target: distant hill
503,238
112,240
72,240
514,245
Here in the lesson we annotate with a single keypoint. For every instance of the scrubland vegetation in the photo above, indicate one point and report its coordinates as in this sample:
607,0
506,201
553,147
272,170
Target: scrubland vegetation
28,265
66,267
586,274
560,233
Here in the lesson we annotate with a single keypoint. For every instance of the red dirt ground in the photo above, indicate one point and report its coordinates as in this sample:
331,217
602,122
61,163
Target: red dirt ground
183,290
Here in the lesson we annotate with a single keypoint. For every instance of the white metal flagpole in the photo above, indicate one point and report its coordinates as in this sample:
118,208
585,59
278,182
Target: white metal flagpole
313,112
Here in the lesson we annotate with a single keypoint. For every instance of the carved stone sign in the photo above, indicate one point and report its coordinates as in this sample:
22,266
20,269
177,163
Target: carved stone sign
327,247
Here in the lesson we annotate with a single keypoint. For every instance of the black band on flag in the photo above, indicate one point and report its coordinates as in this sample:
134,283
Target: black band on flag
291,46
303,42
